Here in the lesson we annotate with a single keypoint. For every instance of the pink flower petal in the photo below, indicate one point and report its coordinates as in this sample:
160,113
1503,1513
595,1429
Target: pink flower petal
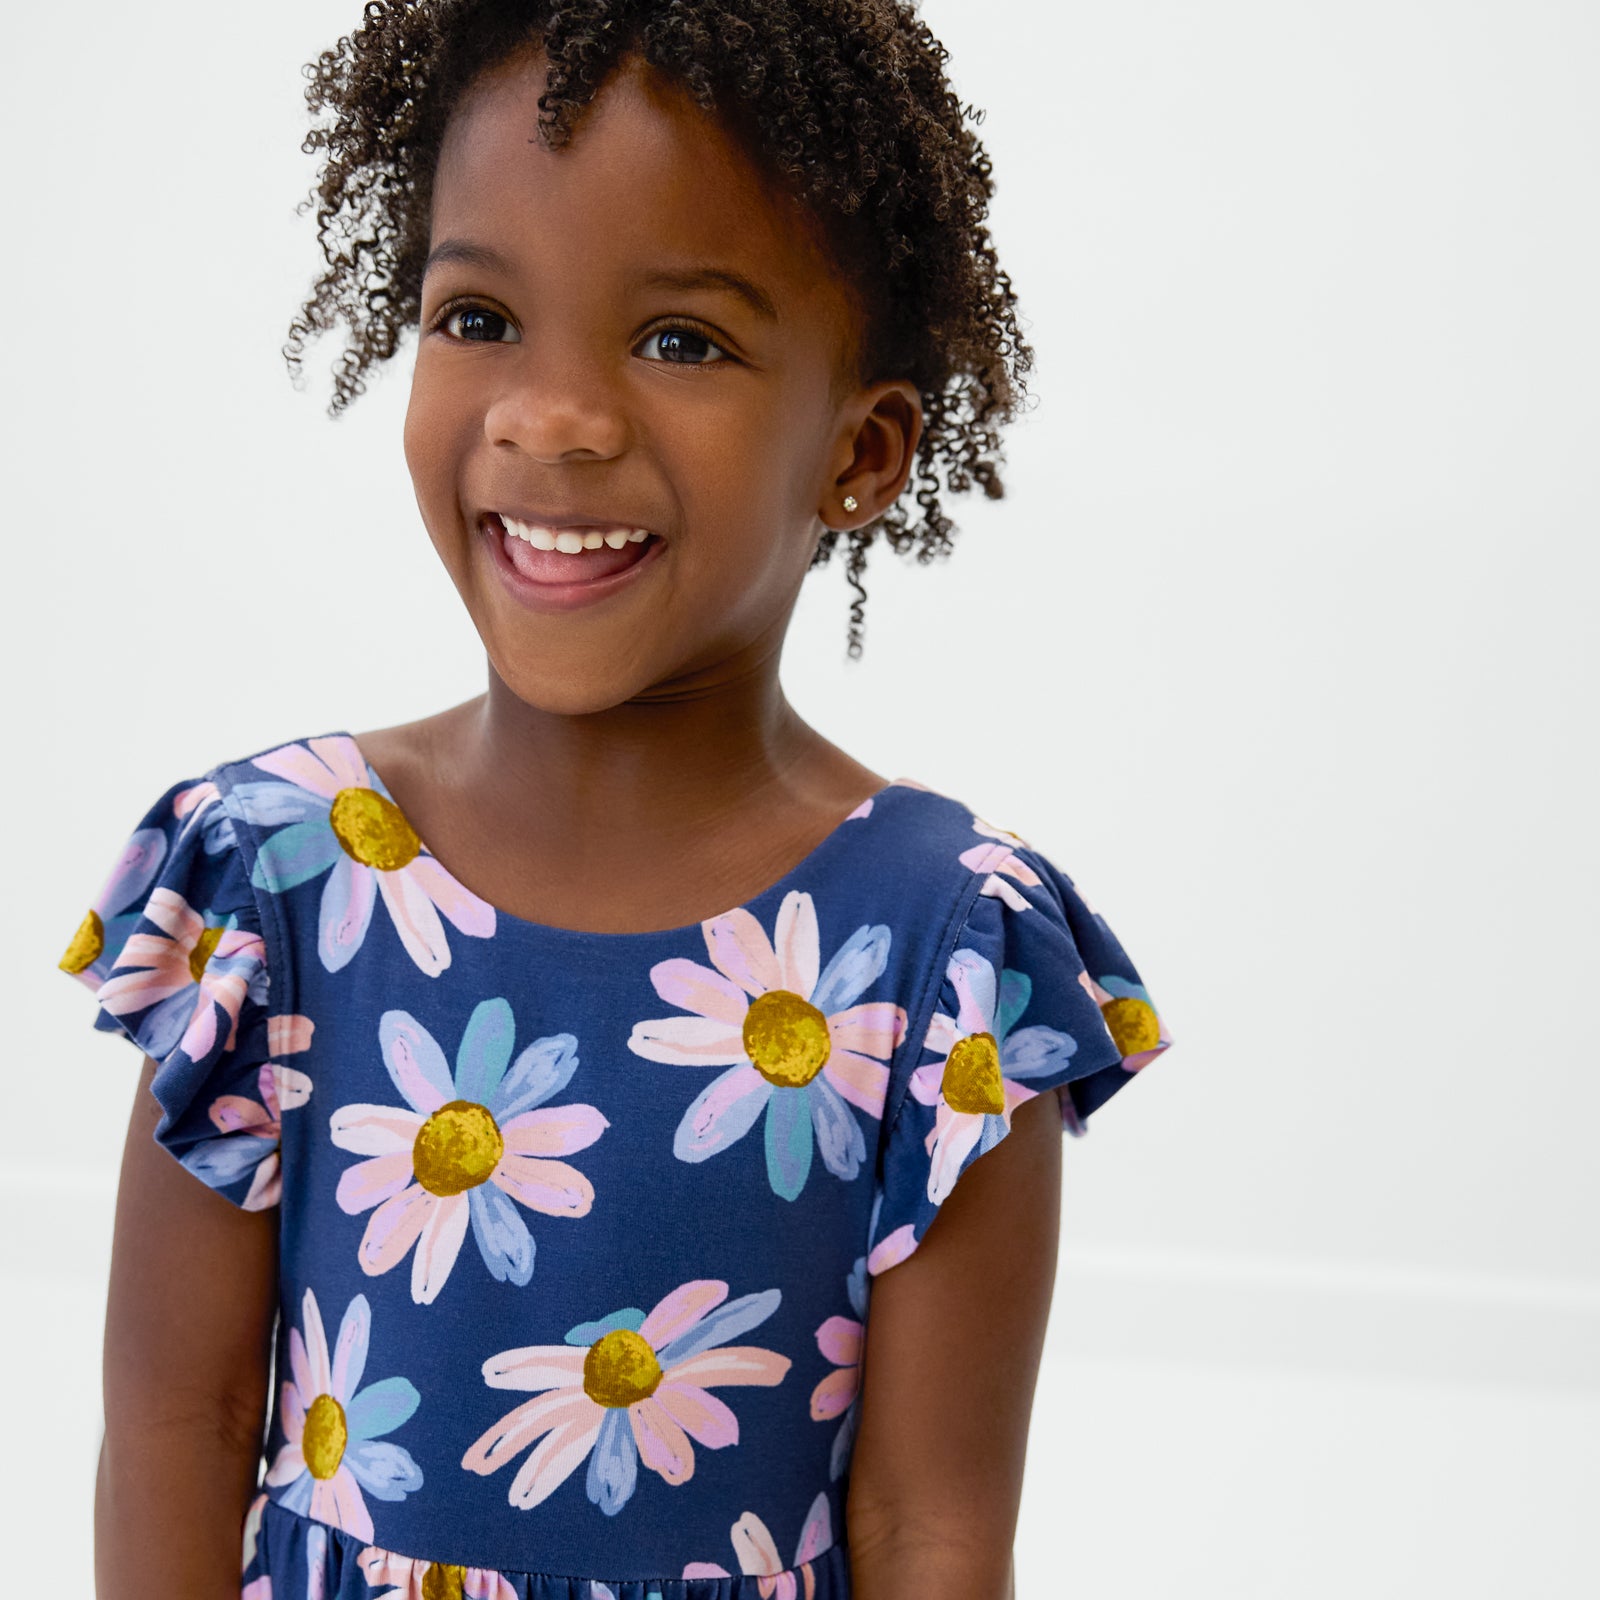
438,1246
681,982
663,1446
862,1082
942,1034
292,1411
371,1183
832,1396
840,1340
795,944
416,920
535,1367
676,1313
554,1130
553,1460
233,1113
892,1249
734,1363
688,1041
337,1500
874,1029
740,950
518,1428
266,1187
300,1366
287,1465
553,1187
925,1082
343,758
393,1228
700,1414
293,763
952,1141
288,1034
378,1130
754,1545
289,1088
470,914
320,1368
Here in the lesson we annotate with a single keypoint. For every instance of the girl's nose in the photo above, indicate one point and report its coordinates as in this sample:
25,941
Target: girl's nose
554,410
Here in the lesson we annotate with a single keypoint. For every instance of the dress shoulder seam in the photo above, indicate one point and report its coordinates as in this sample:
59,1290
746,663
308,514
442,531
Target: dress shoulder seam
281,998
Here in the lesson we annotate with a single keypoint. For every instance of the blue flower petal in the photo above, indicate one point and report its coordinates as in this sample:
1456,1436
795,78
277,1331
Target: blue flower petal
227,1158
696,1137
344,913
1033,1052
381,1407
404,1041
587,1332
789,1141
295,855
542,1070
485,1050
728,1321
385,1471
839,1137
275,804
1016,989
613,1463
503,1238
166,1022
856,966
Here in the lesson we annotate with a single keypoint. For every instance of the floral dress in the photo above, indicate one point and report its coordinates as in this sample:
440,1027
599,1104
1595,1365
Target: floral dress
577,1230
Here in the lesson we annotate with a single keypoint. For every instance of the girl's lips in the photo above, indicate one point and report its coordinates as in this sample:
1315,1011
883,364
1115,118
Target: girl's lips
551,580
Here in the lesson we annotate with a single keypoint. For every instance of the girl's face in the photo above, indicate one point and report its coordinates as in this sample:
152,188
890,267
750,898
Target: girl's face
560,374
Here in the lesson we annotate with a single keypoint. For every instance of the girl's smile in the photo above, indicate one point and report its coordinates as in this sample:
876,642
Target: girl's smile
549,566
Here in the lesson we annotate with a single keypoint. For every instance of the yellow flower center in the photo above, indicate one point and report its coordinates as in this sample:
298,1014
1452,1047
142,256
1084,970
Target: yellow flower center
1133,1024
373,830
443,1583
971,1080
87,943
786,1038
620,1368
204,947
457,1148
323,1441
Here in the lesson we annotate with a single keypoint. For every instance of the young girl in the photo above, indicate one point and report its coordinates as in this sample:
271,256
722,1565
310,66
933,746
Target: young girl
566,1072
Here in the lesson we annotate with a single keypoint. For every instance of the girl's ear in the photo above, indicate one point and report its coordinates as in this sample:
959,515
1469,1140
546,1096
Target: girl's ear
879,431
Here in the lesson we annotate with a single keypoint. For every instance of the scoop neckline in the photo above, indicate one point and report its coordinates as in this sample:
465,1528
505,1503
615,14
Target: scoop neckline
682,930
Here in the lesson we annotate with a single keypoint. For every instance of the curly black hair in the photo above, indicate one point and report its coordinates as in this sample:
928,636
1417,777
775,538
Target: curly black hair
844,102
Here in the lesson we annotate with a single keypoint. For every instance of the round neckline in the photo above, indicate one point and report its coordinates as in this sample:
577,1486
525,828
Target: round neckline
682,930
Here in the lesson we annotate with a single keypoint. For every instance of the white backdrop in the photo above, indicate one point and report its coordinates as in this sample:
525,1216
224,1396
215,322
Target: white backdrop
1281,644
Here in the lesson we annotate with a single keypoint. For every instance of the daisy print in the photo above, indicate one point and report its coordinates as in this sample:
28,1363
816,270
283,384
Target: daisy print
998,861
337,817
332,1426
409,1578
757,1553
463,1148
191,976
1130,1017
789,1032
633,1386
255,1127
842,1340
977,1083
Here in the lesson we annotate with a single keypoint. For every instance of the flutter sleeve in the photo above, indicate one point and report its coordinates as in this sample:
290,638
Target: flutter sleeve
173,951
1037,994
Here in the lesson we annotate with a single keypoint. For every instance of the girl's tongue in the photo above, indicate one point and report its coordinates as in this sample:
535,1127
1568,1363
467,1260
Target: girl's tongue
557,566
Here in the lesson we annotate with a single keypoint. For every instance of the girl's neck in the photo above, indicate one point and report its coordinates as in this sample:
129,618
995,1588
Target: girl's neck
644,816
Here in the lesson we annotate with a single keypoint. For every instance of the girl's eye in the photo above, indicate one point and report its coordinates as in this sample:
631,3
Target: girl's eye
680,342
475,317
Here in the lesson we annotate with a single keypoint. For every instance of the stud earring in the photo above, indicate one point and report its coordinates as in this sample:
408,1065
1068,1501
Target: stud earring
850,502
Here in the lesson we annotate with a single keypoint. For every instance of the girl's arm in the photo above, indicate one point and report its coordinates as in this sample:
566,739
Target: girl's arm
954,1337
188,1342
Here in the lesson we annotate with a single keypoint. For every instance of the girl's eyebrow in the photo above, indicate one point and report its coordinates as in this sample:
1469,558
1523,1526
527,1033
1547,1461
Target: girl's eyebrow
470,254
753,294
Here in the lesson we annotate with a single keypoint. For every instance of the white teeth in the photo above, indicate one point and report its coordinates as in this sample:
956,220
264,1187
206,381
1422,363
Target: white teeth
570,541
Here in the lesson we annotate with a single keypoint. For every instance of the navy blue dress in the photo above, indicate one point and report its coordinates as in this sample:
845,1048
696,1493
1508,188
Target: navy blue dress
577,1231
